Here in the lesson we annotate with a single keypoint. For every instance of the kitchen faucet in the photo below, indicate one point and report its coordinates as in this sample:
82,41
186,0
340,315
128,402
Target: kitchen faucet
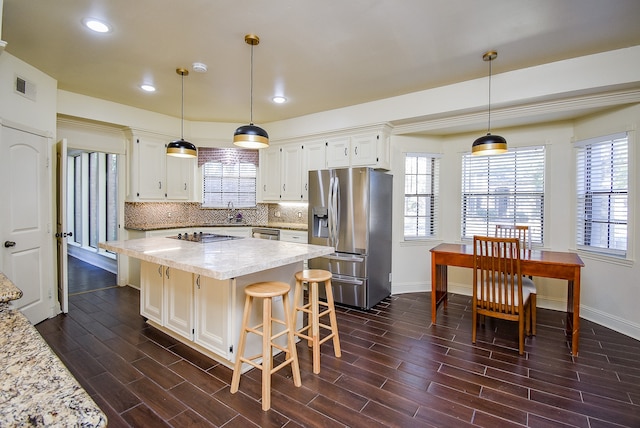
230,215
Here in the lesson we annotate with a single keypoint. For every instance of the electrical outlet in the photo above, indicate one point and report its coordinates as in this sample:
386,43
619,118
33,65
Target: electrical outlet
169,214
299,214
276,214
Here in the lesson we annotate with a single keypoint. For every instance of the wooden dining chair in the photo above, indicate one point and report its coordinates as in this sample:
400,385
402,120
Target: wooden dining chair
515,231
523,233
499,289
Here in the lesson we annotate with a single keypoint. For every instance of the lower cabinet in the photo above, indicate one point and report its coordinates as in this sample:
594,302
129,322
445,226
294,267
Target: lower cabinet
178,293
212,328
206,313
195,307
151,291
166,297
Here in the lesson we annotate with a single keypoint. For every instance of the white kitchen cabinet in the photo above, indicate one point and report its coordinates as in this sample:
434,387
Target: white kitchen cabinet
166,297
270,166
156,176
178,286
150,171
212,327
179,179
152,291
291,172
366,149
314,157
338,152
281,173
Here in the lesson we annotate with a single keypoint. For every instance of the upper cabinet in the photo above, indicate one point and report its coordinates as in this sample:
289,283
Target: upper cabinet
284,168
281,173
156,176
366,149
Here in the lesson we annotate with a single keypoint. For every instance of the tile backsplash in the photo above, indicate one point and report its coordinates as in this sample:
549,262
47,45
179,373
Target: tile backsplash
143,215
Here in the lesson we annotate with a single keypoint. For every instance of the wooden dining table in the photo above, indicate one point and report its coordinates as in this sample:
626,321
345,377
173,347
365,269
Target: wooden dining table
541,263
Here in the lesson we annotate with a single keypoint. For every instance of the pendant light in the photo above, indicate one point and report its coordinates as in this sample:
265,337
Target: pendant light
181,148
251,136
489,144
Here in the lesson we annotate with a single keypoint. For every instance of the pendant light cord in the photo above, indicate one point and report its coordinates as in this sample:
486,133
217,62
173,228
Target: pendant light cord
489,122
251,90
182,109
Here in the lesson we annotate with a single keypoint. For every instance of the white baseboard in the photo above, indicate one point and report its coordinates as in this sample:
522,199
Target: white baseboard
594,315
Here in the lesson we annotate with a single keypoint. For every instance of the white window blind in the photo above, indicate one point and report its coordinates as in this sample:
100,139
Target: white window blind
602,185
229,177
503,189
421,175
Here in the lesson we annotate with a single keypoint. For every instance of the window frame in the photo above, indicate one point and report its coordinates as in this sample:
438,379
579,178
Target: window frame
236,171
583,150
430,216
501,202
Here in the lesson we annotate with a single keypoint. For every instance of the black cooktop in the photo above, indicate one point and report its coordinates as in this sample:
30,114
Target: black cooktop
203,237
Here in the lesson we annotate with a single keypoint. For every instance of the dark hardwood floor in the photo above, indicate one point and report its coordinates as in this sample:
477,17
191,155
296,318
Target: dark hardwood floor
85,277
396,370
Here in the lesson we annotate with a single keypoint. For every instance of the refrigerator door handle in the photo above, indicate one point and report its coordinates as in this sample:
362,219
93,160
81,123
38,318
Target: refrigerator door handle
334,210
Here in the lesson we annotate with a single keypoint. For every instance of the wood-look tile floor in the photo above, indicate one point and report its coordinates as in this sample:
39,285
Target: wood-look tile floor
396,370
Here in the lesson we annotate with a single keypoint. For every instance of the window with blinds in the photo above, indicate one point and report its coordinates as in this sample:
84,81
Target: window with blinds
602,186
503,189
229,177
421,174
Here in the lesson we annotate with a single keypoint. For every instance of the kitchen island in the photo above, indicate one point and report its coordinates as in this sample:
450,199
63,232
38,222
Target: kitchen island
195,291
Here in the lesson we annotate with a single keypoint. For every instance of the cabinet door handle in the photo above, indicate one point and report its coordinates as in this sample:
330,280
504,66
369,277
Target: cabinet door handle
356,150
284,187
345,151
185,186
159,184
160,271
167,272
198,282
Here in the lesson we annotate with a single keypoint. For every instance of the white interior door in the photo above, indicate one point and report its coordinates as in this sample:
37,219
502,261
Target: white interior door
61,224
25,212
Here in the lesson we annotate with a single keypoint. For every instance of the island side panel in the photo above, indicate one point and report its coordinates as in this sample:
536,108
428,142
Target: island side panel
254,344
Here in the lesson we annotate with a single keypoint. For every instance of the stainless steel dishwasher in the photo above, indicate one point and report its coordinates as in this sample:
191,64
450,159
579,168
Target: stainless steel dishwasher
265,233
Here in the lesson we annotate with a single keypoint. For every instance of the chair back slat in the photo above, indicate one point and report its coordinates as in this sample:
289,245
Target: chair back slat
515,231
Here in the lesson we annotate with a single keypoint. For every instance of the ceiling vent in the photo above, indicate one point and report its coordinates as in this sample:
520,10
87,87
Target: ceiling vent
26,88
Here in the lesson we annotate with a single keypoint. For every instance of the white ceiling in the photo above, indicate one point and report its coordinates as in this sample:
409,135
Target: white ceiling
320,54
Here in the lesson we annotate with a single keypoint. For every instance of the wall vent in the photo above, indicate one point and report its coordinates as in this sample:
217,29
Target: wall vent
26,88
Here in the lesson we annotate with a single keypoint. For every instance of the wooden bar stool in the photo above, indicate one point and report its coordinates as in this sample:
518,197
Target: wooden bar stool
311,331
267,291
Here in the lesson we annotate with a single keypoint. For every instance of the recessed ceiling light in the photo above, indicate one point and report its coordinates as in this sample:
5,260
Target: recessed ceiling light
148,88
279,99
96,25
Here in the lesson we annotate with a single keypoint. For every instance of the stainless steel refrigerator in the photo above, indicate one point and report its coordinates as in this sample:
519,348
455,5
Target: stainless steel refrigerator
350,210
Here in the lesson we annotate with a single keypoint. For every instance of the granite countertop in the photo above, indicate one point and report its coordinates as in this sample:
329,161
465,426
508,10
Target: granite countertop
36,389
149,227
8,290
218,260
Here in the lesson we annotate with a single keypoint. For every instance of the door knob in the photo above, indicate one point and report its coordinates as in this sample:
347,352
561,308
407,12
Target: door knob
8,244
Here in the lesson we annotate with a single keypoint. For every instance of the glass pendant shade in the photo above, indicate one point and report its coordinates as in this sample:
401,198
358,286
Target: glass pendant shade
182,148
489,144
251,136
